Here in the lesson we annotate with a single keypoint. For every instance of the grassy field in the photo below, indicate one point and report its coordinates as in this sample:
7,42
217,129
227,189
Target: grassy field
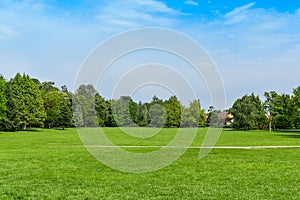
53,164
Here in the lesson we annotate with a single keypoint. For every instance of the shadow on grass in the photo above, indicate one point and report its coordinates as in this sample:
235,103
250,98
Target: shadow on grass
289,134
31,130
289,131
236,130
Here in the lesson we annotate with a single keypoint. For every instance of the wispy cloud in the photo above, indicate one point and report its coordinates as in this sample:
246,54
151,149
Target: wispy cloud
239,14
155,6
260,44
15,16
7,32
136,14
191,3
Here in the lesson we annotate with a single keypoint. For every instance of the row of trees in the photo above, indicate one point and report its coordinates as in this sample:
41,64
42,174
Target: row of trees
90,109
26,102
278,111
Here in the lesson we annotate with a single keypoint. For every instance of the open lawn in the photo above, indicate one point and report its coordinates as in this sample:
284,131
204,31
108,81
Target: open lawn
53,164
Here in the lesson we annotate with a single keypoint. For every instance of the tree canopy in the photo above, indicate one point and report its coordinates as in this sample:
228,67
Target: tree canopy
248,113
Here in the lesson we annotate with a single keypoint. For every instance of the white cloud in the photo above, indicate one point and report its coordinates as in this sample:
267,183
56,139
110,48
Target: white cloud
239,14
257,55
253,47
118,15
155,6
191,3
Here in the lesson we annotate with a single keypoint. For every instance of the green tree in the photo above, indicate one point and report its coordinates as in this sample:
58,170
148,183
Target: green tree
133,111
101,107
3,101
248,113
157,115
191,115
57,105
121,111
25,103
65,118
278,109
84,102
295,108
52,101
173,111
47,86
109,121
143,118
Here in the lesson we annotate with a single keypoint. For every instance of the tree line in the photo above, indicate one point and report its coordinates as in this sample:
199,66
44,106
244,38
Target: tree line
277,111
27,102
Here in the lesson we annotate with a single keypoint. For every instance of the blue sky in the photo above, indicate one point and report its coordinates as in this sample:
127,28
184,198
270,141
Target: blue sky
255,44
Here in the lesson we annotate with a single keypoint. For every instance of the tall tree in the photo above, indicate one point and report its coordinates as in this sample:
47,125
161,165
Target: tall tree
143,118
84,102
25,102
110,121
248,113
173,111
278,108
157,115
157,112
65,118
191,115
121,111
52,101
57,104
101,108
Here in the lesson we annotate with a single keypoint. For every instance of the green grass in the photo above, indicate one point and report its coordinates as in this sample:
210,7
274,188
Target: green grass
54,164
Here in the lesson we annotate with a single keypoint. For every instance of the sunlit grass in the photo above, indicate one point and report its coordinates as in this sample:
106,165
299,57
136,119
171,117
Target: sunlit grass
53,164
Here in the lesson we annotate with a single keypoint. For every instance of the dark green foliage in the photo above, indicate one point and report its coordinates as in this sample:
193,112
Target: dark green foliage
52,108
248,113
101,107
143,118
57,105
25,103
65,118
28,102
295,108
110,121
281,122
2,100
278,108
